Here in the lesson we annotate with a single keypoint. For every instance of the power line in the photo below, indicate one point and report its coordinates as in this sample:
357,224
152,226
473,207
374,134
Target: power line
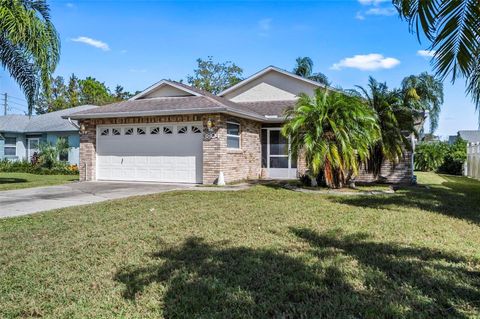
18,103
18,98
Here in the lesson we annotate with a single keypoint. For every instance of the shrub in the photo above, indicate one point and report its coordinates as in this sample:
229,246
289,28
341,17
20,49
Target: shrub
441,157
58,168
456,157
430,155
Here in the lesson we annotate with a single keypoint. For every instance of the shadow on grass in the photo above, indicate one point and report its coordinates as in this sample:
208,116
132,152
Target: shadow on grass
342,277
456,197
7,180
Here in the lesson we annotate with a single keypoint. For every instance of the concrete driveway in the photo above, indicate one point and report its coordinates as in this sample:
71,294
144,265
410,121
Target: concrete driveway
33,200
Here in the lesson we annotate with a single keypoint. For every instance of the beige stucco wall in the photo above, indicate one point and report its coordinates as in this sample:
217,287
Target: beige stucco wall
272,86
166,91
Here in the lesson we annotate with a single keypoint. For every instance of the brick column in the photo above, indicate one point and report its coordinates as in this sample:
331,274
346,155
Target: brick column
87,151
212,153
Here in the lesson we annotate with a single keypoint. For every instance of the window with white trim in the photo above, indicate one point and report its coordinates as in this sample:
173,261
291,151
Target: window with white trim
155,130
105,132
141,131
10,146
233,135
167,129
115,131
129,131
182,129
196,129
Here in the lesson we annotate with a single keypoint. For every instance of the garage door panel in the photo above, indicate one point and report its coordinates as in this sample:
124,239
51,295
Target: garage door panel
160,157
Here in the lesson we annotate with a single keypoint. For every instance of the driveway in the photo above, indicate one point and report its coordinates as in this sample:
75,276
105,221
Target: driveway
33,200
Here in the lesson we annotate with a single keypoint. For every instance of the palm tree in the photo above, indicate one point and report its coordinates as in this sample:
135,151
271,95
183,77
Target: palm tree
424,93
304,68
396,122
29,44
452,27
334,130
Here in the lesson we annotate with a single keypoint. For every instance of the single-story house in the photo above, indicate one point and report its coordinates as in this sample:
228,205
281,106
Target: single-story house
172,132
471,136
21,135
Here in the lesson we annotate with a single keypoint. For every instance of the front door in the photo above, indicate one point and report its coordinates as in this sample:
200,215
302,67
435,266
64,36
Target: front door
278,159
33,146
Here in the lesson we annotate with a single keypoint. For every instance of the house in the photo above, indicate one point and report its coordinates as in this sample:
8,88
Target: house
471,136
172,132
21,135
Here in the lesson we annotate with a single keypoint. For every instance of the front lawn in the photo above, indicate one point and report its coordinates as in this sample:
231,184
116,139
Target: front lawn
10,181
260,253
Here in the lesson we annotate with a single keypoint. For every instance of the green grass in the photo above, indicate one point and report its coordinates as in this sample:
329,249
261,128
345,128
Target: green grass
10,181
260,253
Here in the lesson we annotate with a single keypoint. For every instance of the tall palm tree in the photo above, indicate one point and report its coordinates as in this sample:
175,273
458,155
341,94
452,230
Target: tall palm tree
452,27
396,122
424,93
29,44
304,68
334,130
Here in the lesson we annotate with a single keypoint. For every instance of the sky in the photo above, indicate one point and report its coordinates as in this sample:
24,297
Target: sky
137,43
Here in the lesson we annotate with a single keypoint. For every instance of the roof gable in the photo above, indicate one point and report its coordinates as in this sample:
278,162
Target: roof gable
270,84
163,89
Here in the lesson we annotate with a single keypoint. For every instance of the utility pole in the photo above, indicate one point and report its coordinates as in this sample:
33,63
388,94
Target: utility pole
5,104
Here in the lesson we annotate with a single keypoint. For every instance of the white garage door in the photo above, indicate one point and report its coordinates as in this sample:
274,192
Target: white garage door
153,152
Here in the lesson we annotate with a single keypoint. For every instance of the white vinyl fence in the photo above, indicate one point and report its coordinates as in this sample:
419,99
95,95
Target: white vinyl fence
472,167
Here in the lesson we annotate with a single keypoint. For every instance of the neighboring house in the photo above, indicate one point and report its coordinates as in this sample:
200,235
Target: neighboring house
21,135
471,136
172,132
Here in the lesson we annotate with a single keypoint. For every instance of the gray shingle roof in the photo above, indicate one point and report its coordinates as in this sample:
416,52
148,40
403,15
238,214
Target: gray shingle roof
471,136
205,102
49,122
270,108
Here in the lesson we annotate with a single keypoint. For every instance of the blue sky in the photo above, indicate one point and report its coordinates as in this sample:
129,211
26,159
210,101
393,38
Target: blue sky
137,43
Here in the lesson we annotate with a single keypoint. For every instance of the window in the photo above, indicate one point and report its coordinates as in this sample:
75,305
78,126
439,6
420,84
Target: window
105,132
167,130
141,131
115,131
63,156
129,131
182,130
196,129
155,130
233,135
10,148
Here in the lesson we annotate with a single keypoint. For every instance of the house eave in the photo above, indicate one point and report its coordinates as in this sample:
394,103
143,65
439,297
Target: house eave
245,115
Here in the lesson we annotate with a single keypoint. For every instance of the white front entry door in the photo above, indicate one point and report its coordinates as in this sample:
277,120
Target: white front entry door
151,152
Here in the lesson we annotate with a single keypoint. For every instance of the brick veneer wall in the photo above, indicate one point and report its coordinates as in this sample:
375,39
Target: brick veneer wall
400,173
244,163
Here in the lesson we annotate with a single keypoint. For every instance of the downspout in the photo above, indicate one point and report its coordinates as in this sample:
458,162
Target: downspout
73,124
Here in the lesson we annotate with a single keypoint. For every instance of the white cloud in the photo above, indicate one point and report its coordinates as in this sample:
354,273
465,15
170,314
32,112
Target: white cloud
426,53
264,25
359,16
377,11
366,62
92,42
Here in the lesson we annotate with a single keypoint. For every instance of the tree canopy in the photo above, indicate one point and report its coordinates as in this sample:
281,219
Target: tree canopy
215,77
304,68
77,92
335,131
452,27
29,45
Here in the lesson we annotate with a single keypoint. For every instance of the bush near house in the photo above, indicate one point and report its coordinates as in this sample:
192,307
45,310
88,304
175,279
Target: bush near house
58,168
441,157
